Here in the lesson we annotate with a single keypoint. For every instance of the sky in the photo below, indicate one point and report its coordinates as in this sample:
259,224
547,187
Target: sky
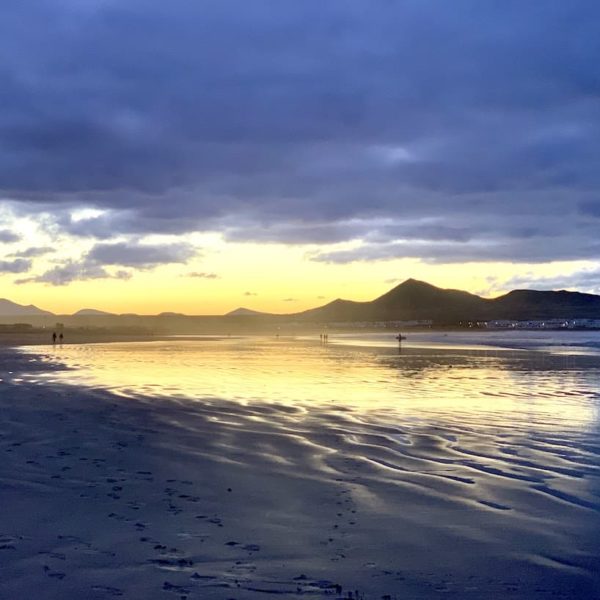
199,156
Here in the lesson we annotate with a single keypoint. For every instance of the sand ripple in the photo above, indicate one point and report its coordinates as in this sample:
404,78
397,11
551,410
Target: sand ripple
467,475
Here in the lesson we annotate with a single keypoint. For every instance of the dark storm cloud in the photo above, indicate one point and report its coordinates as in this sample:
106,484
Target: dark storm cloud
308,122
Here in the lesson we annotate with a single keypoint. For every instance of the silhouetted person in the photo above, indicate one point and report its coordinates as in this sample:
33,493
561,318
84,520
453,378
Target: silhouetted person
60,338
400,337
54,337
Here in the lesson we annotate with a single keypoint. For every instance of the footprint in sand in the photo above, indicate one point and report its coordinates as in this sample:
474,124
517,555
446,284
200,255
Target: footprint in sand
171,587
107,590
54,574
7,542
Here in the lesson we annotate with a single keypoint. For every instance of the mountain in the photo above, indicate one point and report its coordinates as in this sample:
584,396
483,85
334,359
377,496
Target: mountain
410,300
245,312
12,309
546,305
92,312
416,300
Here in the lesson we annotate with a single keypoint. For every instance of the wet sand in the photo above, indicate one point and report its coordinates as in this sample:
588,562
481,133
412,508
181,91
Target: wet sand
45,339
105,496
15,340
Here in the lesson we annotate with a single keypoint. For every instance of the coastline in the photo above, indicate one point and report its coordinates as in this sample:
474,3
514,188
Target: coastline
15,340
170,498
477,339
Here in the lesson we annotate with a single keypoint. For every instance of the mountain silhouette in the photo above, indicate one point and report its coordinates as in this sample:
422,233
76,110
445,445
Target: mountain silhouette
418,300
92,312
409,301
12,309
245,312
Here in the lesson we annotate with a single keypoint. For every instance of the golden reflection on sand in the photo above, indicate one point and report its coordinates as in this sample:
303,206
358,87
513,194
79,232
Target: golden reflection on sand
499,386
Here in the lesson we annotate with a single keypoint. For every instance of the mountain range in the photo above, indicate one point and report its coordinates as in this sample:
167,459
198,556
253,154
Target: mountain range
410,300
416,300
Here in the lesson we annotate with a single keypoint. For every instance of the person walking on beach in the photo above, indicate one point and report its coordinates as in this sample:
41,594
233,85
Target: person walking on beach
54,337
60,338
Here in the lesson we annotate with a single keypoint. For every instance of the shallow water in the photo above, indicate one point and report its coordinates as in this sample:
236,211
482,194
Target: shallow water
466,458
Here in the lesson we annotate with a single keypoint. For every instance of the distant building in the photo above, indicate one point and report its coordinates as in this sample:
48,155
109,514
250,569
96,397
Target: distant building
543,324
383,324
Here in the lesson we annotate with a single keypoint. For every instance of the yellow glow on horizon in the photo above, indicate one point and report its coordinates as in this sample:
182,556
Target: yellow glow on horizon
274,278
266,277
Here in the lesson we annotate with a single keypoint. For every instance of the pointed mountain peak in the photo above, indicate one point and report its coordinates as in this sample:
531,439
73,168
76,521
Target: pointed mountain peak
414,284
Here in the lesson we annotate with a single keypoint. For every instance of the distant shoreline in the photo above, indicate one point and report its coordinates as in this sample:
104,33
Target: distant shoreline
14,340
38,338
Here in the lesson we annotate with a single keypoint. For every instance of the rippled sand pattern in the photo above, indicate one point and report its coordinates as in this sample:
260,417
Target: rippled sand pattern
431,473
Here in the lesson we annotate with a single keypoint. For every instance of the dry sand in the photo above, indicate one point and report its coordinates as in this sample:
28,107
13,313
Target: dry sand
106,497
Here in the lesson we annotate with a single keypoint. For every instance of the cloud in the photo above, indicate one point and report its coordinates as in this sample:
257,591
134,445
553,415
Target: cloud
201,275
93,265
32,252
250,294
296,233
73,271
587,280
308,122
515,250
138,255
19,265
8,237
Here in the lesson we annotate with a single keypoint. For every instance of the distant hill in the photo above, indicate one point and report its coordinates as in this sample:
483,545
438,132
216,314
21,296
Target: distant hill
12,309
245,312
536,304
92,312
414,300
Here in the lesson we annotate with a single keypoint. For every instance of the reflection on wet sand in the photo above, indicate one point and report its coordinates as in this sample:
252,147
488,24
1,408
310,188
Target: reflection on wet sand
472,473
474,383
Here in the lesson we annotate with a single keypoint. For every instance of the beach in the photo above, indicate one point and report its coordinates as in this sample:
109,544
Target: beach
286,468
